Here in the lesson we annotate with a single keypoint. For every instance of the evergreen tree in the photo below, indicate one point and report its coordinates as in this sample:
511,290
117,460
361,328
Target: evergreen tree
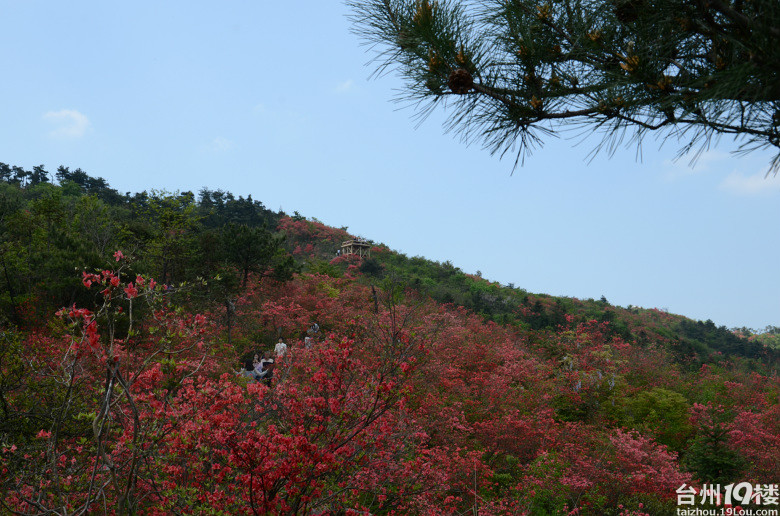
256,250
516,70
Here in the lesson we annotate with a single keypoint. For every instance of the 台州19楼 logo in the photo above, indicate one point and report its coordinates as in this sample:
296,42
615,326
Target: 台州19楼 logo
743,499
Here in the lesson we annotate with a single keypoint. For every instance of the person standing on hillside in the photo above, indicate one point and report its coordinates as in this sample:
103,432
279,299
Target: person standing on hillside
280,349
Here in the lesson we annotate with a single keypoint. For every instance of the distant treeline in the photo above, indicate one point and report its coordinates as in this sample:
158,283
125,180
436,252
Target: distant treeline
52,228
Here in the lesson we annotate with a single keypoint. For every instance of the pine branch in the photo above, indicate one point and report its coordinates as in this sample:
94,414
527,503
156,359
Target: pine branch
672,65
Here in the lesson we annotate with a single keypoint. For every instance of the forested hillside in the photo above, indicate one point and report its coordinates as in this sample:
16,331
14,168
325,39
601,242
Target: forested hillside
408,386
213,240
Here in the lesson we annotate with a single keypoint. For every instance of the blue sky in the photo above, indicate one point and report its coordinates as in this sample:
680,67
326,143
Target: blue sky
274,100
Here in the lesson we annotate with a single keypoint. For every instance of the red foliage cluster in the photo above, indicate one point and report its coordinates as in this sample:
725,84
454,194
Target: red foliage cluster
311,238
401,406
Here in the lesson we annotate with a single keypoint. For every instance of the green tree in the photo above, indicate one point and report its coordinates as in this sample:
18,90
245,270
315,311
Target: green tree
39,175
513,71
165,226
711,458
256,250
14,263
661,413
219,208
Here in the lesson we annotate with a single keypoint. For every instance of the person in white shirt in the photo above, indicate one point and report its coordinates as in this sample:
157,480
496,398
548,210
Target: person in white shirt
280,349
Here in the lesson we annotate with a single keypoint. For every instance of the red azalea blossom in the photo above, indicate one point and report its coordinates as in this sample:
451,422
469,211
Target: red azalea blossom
87,278
131,291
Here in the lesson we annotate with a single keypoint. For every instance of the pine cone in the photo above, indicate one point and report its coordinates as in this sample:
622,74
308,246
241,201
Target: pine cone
460,81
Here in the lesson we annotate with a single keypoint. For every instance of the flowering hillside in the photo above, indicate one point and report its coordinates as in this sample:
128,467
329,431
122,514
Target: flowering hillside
407,387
